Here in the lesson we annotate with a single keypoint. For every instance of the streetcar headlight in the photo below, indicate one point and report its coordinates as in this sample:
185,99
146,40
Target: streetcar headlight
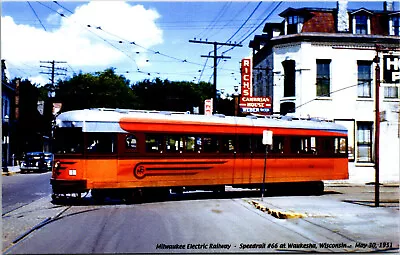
72,172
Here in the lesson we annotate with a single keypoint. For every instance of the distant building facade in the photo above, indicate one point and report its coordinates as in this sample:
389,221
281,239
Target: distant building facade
7,116
322,62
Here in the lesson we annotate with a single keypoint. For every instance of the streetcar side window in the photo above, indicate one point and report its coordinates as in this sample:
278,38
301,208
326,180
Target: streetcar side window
154,143
193,144
340,145
277,144
244,143
210,144
326,145
101,143
303,145
131,142
258,146
228,143
174,144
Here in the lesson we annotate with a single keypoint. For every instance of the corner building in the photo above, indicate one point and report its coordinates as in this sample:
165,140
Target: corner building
322,63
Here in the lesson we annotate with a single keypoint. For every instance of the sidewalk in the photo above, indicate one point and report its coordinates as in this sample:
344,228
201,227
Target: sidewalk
11,170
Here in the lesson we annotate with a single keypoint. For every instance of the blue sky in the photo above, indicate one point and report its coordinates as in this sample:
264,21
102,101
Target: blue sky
141,40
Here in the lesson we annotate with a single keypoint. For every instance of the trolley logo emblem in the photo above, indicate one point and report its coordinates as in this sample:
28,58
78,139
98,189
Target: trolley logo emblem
140,171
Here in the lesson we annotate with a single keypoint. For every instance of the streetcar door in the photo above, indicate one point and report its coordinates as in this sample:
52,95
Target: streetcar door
244,159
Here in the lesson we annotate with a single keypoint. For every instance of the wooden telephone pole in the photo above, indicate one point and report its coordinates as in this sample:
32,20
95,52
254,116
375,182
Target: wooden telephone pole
215,57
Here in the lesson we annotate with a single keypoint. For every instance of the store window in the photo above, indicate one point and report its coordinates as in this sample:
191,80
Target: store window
391,92
364,142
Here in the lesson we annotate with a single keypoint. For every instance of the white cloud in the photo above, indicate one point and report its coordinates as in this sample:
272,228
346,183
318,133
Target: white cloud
80,46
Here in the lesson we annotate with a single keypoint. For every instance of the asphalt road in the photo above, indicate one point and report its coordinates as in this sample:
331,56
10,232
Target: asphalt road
341,220
21,189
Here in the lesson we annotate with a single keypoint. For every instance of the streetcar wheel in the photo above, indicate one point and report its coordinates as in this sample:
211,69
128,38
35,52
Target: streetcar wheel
98,195
319,188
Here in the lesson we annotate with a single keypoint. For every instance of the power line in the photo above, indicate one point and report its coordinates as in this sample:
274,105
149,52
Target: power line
36,16
215,57
244,23
261,23
212,23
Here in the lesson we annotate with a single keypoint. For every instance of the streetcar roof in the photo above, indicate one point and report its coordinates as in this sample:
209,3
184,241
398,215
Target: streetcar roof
110,120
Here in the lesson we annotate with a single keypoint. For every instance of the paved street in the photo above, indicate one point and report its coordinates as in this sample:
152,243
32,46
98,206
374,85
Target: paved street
341,220
21,189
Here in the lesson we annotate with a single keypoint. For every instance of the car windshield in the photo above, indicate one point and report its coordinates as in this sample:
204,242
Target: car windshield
34,155
48,156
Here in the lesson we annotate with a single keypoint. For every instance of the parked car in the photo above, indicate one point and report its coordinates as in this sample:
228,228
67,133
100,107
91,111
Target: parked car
37,162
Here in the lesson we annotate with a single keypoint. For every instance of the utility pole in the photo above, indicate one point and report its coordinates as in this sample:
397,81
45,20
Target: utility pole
377,123
53,73
51,94
215,57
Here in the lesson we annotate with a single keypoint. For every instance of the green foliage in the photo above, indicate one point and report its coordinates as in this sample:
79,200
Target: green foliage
171,95
108,90
30,125
102,89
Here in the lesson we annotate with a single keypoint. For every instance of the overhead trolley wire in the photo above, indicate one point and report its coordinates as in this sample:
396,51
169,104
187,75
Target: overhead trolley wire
123,40
262,22
36,15
212,23
62,15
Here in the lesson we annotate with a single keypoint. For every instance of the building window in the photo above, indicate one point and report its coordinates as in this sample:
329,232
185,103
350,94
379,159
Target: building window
364,142
361,26
391,92
364,79
323,77
294,24
290,78
287,107
395,28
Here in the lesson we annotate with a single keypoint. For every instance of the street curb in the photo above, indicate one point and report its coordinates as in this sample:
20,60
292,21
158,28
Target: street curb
277,214
9,173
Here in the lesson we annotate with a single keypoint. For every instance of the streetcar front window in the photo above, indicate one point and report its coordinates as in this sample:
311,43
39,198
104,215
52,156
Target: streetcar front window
68,141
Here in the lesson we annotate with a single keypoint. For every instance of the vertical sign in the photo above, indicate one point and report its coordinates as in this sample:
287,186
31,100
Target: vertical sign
247,88
248,102
208,106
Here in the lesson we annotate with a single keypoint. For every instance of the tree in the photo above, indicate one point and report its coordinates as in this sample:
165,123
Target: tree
171,95
101,89
30,125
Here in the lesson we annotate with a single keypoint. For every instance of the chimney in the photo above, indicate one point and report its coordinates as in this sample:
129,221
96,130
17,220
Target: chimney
342,17
388,6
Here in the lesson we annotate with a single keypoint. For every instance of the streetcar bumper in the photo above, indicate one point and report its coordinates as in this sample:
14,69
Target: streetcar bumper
68,186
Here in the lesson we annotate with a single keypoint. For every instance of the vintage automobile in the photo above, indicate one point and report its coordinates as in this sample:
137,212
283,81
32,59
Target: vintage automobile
37,162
